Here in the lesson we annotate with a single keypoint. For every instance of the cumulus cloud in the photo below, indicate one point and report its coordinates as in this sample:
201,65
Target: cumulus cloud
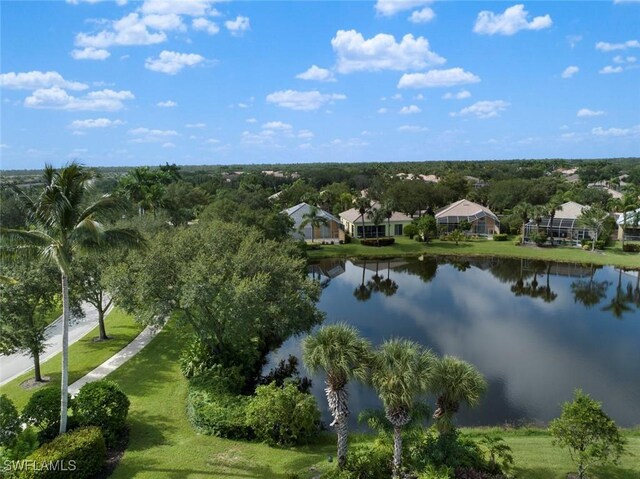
302,100
409,110
570,71
94,123
316,73
382,111
599,131
437,78
58,99
277,125
148,135
610,47
422,16
461,95
206,25
389,8
195,125
585,112
622,60
411,129
172,62
483,109
166,104
129,30
609,69
90,53
510,22
238,26
36,79
381,52
78,2
194,8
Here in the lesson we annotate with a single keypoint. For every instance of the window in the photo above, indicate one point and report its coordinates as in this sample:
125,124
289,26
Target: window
370,231
397,230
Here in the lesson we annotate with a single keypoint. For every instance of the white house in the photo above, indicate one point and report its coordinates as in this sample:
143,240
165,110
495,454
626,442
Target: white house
352,221
331,230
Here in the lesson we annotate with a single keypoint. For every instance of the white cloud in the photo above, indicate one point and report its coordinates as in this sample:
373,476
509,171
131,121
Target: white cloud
316,73
36,79
389,8
305,134
172,62
194,8
203,24
164,23
437,78
409,110
461,95
302,100
574,40
147,135
617,132
167,104
610,47
168,145
277,125
609,69
129,30
90,53
382,111
570,71
422,16
622,60
94,123
585,112
58,99
251,120
511,21
212,141
238,26
411,129
381,52
625,1
195,125
483,109
78,2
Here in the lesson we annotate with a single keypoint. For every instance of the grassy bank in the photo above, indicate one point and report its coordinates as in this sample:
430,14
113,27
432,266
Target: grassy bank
163,444
84,356
405,247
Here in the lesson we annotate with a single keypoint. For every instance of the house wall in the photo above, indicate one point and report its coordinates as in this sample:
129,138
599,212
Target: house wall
491,226
352,228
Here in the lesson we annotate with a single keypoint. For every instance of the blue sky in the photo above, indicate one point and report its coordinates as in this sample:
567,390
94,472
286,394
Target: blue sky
210,82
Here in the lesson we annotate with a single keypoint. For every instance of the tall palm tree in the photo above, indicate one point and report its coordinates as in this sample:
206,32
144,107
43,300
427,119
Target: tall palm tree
455,381
63,224
377,216
314,219
626,205
363,205
523,211
552,207
343,355
387,207
400,373
593,218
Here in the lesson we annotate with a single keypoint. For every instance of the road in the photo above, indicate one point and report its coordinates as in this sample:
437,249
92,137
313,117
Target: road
16,364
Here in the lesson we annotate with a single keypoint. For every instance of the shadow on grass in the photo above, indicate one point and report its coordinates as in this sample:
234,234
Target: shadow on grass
612,472
536,473
149,430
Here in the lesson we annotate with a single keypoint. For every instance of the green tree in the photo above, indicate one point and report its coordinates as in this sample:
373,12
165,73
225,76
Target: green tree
626,205
63,224
523,211
377,217
343,355
314,219
593,218
552,207
588,433
454,381
388,207
427,227
400,373
183,201
363,205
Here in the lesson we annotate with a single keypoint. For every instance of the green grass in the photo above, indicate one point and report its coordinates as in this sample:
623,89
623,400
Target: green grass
54,313
84,356
406,247
163,444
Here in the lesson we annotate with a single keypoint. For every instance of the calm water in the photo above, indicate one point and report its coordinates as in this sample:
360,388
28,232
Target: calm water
536,330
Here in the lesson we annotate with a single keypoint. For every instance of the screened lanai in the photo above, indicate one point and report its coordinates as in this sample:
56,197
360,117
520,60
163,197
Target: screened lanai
563,229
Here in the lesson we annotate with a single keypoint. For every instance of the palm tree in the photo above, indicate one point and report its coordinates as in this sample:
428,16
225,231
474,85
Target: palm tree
377,216
62,225
593,218
523,211
314,219
400,373
626,204
362,205
552,207
343,355
387,207
455,381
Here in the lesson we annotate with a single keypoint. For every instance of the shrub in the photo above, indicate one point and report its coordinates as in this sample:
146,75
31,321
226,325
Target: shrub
26,442
631,247
287,371
369,462
283,416
446,450
377,242
432,472
102,404
539,238
500,237
81,454
410,230
195,359
588,244
43,412
9,422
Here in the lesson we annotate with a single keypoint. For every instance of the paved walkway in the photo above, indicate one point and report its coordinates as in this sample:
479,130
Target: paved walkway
117,360
17,364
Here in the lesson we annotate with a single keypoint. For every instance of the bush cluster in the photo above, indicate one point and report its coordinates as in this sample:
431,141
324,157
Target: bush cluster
500,237
631,247
43,412
367,462
9,422
377,242
588,244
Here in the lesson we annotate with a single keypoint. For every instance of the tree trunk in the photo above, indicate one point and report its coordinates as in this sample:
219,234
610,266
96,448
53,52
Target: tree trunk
36,365
64,382
103,331
339,409
593,243
397,452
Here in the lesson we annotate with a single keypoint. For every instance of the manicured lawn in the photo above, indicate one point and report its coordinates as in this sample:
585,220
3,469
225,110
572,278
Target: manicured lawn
53,314
84,356
406,247
163,444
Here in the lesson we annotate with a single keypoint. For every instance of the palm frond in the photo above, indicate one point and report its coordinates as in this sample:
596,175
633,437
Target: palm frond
14,237
104,205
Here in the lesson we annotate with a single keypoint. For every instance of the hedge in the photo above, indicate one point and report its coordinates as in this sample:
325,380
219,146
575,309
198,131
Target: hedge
631,247
500,237
377,242
80,454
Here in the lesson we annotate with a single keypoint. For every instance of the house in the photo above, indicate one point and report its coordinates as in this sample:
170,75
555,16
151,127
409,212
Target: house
632,230
330,231
565,225
483,221
352,222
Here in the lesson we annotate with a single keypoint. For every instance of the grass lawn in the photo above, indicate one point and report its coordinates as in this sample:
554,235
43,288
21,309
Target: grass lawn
163,444
54,313
406,247
84,356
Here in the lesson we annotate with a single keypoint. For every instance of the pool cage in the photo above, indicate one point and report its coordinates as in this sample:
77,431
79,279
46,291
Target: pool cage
478,223
563,230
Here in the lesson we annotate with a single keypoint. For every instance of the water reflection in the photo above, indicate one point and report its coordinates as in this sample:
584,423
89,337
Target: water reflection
535,329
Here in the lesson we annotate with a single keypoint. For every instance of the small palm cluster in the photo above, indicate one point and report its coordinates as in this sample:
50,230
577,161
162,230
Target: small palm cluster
401,371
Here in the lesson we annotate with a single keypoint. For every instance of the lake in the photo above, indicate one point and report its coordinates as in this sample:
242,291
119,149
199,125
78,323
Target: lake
536,330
